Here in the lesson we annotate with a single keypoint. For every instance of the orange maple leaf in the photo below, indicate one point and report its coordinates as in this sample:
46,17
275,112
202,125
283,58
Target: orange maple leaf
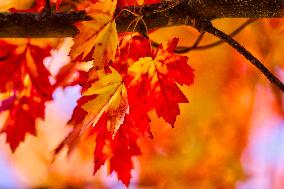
98,39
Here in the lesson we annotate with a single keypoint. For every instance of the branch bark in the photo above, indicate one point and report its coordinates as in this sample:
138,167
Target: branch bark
34,25
37,25
157,15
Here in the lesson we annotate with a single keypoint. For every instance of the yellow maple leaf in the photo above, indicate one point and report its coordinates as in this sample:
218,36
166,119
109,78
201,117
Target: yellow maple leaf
110,98
98,39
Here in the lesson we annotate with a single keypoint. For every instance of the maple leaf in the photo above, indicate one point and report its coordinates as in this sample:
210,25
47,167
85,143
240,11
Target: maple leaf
98,40
24,75
23,111
109,95
160,74
119,149
105,95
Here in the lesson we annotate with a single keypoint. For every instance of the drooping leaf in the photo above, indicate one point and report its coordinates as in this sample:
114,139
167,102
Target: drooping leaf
26,78
98,38
107,96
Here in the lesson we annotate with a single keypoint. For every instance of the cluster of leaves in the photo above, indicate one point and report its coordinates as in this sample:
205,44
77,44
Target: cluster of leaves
128,79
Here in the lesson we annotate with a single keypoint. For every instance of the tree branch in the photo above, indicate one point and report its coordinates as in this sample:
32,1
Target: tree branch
206,26
158,15
196,46
155,16
38,25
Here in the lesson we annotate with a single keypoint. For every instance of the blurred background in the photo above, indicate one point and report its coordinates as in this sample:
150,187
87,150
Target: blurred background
230,134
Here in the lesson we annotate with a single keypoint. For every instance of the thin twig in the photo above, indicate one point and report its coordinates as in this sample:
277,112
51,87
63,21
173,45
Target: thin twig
195,46
214,44
206,26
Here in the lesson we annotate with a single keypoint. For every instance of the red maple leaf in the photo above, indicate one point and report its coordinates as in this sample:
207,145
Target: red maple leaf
24,75
154,81
119,149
